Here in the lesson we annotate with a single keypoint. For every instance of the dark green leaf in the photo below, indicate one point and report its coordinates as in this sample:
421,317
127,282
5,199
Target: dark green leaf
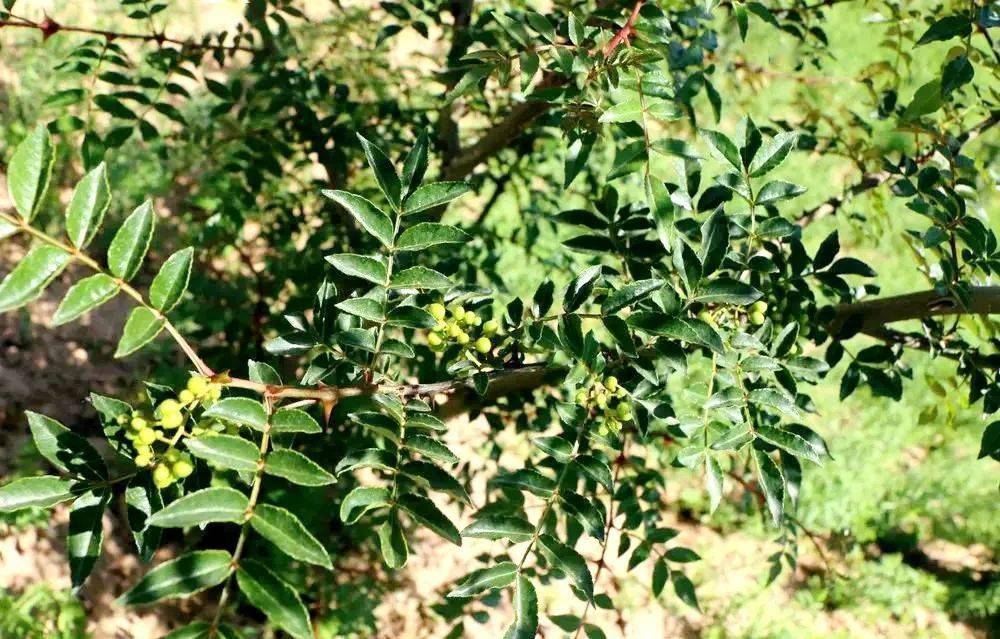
239,410
86,534
129,246
435,194
497,526
37,492
424,511
297,468
202,507
64,449
498,576
275,598
29,171
90,201
370,217
225,451
85,295
31,275
284,530
385,172
172,280
426,234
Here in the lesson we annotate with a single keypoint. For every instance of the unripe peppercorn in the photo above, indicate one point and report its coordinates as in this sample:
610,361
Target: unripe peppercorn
490,328
454,330
162,476
186,396
757,318
171,421
169,406
463,338
143,460
438,311
138,423
624,412
146,436
457,311
182,469
581,397
611,383
434,340
198,385
483,345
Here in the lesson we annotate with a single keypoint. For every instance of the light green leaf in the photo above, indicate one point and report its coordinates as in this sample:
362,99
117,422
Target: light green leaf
663,210
788,441
727,291
773,153
263,373
498,576
274,598
225,451
297,468
525,624
370,217
420,277
435,194
90,201
627,111
392,542
411,317
629,294
724,147
777,191
776,399
239,410
494,527
85,295
7,229
201,507
31,275
293,420
142,326
431,449
424,511
427,234
29,171
570,562
362,266
772,483
284,530
40,492
172,280
86,534
361,500
181,577
143,499
129,246
366,458
385,172
364,307
64,449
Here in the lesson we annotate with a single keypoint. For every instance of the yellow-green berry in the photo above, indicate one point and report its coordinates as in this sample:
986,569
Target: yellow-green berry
611,383
757,318
454,330
198,385
162,476
434,340
142,460
138,423
457,311
624,412
463,338
171,421
182,469
758,307
185,397
214,391
581,397
490,328
438,311
169,406
146,436
483,345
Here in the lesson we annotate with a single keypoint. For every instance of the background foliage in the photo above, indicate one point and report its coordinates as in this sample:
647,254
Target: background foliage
616,159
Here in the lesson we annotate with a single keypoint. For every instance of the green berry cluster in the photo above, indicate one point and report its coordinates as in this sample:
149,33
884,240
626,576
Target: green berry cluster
155,437
455,325
611,400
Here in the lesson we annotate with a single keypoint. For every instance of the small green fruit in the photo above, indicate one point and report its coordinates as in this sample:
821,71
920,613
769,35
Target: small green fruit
483,345
171,421
169,406
182,469
490,328
186,396
143,460
758,307
624,412
197,385
463,338
611,383
162,476
757,318
434,340
438,311
581,397
146,436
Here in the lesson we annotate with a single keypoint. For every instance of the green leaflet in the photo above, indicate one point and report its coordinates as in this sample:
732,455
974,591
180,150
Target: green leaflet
181,577
225,451
241,411
361,500
294,420
362,266
86,534
31,275
392,542
90,201
421,278
204,506
84,296
370,217
525,624
435,194
430,448
64,449
498,576
29,172
274,598
142,499
297,468
170,283
40,492
495,526
284,530
129,246
570,562
142,326
424,511
427,234
385,173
